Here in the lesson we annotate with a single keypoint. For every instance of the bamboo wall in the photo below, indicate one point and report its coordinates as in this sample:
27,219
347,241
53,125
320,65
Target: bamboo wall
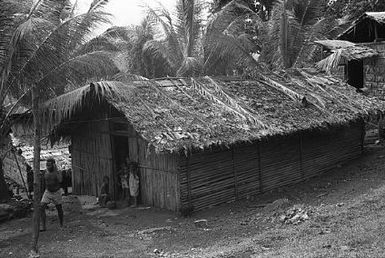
91,157
211,178
374,70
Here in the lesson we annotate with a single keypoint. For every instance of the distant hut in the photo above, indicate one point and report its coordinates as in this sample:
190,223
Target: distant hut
201,142
358,54
18,159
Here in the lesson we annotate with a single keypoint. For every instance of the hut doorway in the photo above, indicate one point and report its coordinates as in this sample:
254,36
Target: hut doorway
121,151
356,73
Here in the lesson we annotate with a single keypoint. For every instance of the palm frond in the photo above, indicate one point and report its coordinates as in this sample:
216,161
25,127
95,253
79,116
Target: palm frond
97,5
174,46
331,62
75,71
51,46
307,12
226,102
191,66
88,22
158,50
226,42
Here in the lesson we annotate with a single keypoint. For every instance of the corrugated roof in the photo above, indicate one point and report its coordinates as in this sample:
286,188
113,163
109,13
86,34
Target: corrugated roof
175,114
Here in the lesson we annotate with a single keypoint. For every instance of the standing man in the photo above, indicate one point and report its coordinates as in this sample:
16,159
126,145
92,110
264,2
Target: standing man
52,193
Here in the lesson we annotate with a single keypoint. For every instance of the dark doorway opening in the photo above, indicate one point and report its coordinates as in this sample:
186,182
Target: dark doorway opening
356,73
121,151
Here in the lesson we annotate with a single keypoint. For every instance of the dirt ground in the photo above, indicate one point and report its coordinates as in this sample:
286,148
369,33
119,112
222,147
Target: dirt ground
345,217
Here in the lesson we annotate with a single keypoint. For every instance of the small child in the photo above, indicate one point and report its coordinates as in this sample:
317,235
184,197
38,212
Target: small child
123,176
104,192
134,182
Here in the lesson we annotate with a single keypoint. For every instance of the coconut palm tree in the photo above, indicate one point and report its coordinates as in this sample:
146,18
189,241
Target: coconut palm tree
190,47
130,41
293,27
230,39
179,47
42,55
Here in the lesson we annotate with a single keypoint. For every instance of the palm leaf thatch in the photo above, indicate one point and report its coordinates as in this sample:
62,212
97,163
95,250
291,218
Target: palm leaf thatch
176,114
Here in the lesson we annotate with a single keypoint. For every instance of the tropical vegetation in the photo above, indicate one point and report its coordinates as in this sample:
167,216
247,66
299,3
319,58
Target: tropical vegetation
43,53
46,48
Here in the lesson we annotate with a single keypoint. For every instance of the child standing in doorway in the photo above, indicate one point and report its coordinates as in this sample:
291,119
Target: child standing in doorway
134,182
123,176
104,192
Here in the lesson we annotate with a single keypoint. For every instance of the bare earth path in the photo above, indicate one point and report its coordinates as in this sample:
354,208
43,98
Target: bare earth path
346,209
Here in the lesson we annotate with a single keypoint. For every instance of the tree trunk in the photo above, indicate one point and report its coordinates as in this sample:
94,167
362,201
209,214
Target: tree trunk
4,140
4,196
284,37
36,169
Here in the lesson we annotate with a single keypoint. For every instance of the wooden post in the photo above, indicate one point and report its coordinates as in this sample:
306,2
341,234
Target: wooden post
259,168
235,175
36,169
188,180
284,35
375,31
363,132
113,175
301,157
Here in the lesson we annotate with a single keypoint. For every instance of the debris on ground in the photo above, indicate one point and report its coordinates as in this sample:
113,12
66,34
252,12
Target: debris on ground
278,206
155,230
15,209
201,223
294,215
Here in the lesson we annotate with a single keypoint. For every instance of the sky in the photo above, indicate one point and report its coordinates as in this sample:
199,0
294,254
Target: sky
126,12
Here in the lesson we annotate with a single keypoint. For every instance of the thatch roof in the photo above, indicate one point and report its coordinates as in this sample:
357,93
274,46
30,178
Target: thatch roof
378,17
176,114
333,44
343,49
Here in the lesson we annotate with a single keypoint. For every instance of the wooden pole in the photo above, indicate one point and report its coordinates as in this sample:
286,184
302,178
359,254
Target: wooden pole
284,35
259,168
36,171
375,31
301,157
235,174
188,180
21,174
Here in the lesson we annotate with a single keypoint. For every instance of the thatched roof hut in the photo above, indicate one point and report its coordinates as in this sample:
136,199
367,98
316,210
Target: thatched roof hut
369,27
342,51
358,54
204,141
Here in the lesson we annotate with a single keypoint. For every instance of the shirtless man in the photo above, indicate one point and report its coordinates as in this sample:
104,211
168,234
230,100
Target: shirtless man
52,193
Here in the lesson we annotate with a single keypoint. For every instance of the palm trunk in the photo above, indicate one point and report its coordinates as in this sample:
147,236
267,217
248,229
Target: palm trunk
36,169
284,37
4,196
